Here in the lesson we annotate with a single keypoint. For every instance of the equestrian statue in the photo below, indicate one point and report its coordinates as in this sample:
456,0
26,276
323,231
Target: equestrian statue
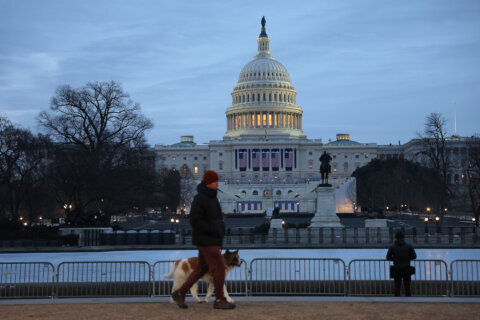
325,168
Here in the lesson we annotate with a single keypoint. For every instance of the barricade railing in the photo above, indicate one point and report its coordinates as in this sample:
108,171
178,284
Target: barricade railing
465,276
236,280
27,280
103,278
371,277
283,276
266,276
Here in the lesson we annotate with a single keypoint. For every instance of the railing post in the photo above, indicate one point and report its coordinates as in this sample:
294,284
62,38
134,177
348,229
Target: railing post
344,235
355,235
309,235
450,235
332,235
320,235
367,235
414,235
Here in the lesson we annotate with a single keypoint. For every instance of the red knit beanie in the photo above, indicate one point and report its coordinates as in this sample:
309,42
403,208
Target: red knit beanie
210,176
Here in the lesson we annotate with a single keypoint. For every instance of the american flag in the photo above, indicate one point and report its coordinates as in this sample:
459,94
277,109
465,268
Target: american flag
265,159
275,159
288,158
242,157
255,158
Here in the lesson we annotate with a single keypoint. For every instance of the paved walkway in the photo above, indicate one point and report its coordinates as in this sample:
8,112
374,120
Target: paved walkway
249,308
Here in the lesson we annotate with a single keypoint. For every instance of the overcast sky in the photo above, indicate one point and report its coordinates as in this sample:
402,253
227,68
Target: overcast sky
374,69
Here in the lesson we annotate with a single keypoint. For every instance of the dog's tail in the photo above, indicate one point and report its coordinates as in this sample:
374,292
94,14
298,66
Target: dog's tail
172,271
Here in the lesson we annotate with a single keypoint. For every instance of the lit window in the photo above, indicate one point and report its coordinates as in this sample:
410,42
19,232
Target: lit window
335,168
310,166
276,120
264,120
195,169
366,156
174,158
259,120
269,119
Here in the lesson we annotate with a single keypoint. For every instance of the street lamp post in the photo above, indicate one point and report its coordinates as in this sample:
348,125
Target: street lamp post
426,225
474,225
177,221
437,221
172,220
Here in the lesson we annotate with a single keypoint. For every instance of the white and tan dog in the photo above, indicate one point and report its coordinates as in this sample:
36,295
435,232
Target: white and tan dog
184,267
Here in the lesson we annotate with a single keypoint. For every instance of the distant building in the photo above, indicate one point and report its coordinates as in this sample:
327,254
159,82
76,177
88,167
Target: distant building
265,160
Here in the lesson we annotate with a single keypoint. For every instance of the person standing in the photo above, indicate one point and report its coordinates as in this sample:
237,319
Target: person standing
208,231
401,253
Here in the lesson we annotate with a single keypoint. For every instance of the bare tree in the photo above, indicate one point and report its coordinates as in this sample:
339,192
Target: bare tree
96,127
188,187
21,155
434,142
473,175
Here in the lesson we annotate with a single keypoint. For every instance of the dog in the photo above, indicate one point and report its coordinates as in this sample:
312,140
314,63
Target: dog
184,267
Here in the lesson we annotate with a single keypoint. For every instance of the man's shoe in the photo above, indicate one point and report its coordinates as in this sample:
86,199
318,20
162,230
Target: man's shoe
223,304
179,299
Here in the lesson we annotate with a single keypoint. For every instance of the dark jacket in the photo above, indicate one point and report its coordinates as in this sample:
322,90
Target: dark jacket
206,218
401,253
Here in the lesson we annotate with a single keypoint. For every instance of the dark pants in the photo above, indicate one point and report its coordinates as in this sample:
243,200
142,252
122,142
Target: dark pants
209,259
403,274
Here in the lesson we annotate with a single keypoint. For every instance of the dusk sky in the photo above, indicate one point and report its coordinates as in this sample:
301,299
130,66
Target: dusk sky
374,69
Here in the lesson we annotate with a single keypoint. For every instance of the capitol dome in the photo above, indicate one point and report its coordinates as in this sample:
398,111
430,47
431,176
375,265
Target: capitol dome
264,99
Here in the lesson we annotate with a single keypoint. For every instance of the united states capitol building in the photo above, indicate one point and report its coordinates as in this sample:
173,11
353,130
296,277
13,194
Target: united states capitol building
265,160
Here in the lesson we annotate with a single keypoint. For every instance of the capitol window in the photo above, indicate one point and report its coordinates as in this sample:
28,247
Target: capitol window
264,120
195,169
269,97
174,158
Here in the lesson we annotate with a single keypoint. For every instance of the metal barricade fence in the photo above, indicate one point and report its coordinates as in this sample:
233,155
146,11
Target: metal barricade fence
371,277
27,280
103,279
267,276
236,280
465,275
430,278
283,276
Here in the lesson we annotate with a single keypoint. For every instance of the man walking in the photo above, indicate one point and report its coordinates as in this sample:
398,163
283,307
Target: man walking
208,230
401,253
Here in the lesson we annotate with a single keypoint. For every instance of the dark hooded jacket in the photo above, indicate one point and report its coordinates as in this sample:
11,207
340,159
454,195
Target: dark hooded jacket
206,218
401,253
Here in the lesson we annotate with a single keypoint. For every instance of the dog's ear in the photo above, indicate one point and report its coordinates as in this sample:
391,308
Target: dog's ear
235,251
227,251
